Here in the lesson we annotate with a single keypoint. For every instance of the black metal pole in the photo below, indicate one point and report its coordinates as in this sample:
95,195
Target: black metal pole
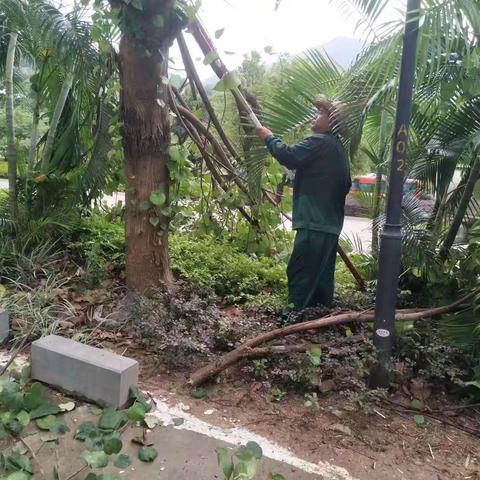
391,237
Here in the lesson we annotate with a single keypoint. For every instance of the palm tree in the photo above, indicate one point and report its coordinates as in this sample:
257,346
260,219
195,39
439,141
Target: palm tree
148,28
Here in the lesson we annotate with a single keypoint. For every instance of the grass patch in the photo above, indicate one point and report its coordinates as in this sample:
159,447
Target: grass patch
3,169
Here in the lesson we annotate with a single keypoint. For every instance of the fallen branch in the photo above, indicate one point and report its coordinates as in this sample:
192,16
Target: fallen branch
244,350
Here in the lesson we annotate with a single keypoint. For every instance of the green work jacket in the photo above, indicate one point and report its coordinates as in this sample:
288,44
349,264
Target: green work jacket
322,180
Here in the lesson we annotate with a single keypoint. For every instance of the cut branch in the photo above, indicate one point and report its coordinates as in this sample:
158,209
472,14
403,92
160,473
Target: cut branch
212,369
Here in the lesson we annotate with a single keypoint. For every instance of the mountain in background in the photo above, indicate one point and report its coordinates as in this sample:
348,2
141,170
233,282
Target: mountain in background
343,50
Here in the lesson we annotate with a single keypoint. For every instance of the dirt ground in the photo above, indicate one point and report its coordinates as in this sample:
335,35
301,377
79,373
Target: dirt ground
373,436
378,440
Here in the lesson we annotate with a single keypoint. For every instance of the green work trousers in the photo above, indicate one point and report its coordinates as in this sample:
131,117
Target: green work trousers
311,269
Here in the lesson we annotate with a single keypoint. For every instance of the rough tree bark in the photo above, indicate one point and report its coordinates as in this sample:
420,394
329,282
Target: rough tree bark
11,147
143,61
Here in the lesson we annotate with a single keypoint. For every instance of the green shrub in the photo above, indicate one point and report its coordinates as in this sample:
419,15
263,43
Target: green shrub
3,169
217,266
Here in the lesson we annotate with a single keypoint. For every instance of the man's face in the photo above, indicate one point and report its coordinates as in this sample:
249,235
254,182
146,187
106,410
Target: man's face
321,122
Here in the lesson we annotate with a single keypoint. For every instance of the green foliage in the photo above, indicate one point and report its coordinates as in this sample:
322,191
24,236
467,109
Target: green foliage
243,464
147,454
219,267
3,169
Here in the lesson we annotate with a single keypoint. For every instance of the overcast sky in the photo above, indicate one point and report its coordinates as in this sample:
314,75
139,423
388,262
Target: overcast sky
294,27
255,24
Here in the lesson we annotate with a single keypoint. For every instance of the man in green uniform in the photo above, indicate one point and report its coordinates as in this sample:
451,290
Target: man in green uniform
322,181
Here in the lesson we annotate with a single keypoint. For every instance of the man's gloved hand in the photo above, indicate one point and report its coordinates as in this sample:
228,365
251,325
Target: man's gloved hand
263,132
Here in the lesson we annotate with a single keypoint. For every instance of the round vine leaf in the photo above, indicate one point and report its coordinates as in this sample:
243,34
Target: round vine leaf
157,197
123,461
255,449
86,430
136,412
112,445
111,419
95,459
419,420
46,422
147,454
200,393
18,476
154,221
23,418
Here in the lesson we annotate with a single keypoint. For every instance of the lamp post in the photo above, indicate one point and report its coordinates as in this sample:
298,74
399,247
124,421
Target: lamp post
391,237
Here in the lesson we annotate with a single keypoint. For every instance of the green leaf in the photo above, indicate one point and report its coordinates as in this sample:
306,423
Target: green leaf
112,445
111,419
109,476
219,33
136,412
136,4
24,418
96,411
268,50
49,437
230,81
314,354
136,395
17,461
419,420
47,408
144,205
255,449
225,462
210,57
86,430
178,421
53,424
3,290
18,476
25,375
46,422
33,399
147,454
417,404
159,21
474,383
276,476
123,461
154,221
151,421
95,459
199,393
176,154
158,198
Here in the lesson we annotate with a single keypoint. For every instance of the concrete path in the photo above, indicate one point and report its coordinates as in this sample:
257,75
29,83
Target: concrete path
182,455
185,452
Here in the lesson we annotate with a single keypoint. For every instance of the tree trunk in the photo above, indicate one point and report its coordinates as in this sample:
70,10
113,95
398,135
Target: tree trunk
377,196
146,139
461,210
57,113
11,147
32,154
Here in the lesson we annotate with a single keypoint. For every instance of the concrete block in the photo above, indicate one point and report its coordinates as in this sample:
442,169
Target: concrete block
4,325
91,373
